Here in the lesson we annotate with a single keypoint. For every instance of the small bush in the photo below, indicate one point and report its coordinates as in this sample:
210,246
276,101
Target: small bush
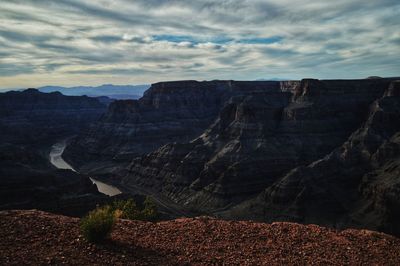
98,224
149,212
125,209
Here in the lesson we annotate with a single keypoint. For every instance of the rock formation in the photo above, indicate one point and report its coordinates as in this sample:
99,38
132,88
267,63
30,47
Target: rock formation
358,184
229,148
257,138
168,112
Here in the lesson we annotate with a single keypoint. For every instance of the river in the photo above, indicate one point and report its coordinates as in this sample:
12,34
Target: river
56,159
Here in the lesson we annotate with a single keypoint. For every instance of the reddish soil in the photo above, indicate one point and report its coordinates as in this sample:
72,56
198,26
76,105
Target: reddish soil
35,237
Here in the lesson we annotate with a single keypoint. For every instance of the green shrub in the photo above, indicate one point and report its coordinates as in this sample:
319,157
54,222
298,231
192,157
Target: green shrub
149,212
126,209
98,224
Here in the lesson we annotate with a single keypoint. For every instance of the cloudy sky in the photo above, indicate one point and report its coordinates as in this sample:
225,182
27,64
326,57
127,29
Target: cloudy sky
87,42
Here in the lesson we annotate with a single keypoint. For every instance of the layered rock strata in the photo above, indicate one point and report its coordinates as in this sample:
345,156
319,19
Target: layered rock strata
314,151
257,138
358,184
168,112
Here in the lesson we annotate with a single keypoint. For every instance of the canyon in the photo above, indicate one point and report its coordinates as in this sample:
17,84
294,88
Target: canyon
311,151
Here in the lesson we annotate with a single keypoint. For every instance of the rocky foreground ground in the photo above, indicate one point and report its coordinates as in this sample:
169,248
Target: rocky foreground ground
35,237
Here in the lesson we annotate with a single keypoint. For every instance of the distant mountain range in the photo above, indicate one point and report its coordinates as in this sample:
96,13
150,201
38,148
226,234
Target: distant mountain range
109,90
273,79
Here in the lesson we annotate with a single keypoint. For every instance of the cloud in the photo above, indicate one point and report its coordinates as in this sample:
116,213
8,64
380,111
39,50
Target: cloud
269,40
107,38
88,42
13,70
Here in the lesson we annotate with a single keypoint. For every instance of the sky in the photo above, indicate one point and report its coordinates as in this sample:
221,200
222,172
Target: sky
86,42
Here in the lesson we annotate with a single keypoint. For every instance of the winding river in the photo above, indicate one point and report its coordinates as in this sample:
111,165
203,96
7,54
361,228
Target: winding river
56,159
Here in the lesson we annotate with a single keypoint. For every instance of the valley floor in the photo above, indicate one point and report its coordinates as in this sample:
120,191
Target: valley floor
35,237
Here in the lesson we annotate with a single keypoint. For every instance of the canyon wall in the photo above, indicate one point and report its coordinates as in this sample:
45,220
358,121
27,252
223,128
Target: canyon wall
291,150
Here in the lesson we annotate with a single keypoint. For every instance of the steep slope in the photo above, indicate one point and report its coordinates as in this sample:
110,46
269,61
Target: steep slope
257,138
358,184
168,112
200,241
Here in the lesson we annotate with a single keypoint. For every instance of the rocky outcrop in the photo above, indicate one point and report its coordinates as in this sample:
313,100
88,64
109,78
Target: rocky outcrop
257,138
357,185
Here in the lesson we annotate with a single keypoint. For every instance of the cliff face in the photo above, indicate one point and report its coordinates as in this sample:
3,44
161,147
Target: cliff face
168,112
358,184
260,150
256,139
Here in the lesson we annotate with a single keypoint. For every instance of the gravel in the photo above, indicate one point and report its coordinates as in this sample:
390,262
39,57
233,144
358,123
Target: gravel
34,237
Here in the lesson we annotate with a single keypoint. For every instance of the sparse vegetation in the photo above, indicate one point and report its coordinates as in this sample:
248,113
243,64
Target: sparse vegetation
128,209
125,209
149,212
98,224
